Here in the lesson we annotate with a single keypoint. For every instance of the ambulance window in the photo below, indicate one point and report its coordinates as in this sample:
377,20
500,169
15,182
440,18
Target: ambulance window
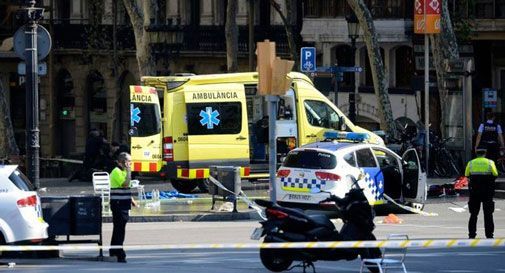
365,158
321,114
148,122
215,118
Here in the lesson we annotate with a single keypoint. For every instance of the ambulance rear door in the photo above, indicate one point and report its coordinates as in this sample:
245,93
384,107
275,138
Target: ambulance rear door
218,132
145,129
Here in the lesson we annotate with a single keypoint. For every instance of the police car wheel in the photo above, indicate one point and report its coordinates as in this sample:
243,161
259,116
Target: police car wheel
184,186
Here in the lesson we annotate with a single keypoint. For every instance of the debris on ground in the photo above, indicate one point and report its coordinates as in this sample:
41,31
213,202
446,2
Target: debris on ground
392,219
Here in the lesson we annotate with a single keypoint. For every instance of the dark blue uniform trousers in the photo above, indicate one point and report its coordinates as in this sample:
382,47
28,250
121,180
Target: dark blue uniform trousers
119,219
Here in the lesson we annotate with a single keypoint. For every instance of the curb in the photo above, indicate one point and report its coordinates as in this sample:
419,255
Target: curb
202,217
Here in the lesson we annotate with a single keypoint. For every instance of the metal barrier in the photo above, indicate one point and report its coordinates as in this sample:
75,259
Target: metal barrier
73,216
225,181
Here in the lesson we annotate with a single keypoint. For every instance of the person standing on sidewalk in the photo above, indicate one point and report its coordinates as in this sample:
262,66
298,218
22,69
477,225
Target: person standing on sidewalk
489,134
482,174
120,203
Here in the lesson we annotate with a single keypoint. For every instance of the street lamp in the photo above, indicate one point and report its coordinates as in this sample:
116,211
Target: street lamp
353,32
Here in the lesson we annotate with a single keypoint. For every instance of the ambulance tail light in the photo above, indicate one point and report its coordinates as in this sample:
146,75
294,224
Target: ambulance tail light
168,149
283,173
327,176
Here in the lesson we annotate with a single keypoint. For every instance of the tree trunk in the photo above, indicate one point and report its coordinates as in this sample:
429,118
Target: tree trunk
8,146
444,46
376,65
140,20
231,33
289,28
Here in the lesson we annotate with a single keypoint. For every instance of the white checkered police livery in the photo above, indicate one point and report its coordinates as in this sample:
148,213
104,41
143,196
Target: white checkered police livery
325,166
302,183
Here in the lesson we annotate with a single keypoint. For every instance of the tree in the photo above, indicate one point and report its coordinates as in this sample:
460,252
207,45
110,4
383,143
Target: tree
444,46
376,65
293,49
8,146
231,33
140,18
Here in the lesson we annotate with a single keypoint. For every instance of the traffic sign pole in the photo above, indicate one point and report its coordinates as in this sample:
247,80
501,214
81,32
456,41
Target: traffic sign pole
32,95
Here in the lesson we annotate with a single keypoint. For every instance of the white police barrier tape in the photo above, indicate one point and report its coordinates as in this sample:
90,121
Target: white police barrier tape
436,243
407,208
242,196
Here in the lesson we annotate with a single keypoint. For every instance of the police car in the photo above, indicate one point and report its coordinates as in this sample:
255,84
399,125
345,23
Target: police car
20,209
309,170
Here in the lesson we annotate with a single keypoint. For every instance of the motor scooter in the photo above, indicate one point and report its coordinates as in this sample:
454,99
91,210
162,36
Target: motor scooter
285,225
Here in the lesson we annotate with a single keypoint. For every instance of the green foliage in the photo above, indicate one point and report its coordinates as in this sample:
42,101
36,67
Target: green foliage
463,20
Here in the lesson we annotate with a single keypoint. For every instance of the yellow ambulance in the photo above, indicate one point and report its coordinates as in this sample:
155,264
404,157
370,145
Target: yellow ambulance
181,125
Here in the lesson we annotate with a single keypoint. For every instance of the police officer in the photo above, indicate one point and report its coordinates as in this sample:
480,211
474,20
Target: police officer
482,174
120,203
489,134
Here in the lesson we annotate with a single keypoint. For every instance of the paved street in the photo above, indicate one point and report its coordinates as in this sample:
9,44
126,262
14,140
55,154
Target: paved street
448,224
229,261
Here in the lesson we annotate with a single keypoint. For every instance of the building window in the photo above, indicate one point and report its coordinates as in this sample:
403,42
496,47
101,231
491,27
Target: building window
484,9
500,8
325,8
404,65
386,8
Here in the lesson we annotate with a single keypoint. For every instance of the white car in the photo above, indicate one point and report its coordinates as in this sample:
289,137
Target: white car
20,209
325,166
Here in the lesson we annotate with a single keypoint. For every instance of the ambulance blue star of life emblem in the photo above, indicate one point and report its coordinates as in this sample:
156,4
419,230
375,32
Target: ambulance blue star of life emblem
134,115
209,117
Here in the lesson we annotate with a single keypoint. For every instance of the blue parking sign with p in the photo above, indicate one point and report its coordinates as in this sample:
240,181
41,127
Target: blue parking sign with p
308,59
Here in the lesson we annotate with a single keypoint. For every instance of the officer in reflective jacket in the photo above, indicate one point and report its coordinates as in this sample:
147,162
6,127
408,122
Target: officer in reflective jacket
482,174
120,203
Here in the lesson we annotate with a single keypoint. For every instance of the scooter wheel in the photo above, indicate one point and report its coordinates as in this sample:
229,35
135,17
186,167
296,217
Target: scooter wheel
274,259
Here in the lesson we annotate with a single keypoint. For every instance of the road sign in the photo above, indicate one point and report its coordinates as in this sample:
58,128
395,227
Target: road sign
427,16
43,42
340,69
41,71
489,97
308,59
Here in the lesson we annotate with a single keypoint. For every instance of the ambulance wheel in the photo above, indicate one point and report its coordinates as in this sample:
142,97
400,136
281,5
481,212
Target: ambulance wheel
203,185
2,242
184,186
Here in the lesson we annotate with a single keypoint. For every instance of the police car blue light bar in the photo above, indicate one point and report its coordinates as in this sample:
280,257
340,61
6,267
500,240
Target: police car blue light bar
351,136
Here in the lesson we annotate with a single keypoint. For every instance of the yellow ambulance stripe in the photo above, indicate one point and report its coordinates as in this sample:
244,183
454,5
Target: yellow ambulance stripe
192,173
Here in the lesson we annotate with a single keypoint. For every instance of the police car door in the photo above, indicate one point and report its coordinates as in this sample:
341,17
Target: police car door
218,131
414,179
373,182
145,129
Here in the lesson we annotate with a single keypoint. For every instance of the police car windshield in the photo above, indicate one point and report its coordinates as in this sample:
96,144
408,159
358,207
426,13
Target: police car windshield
21,181
310,159
148,120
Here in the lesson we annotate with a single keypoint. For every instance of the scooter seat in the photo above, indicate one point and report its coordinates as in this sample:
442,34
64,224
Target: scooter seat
322,221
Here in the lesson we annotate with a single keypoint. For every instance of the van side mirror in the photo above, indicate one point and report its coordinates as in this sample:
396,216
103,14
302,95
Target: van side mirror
342,125
133,131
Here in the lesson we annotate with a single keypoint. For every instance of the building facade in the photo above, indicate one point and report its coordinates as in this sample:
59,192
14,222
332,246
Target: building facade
93,60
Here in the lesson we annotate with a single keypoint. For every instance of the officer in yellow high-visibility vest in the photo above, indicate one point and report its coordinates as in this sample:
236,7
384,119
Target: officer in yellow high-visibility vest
482,174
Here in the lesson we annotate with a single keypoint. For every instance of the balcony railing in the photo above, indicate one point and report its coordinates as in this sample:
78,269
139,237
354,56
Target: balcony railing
186,39
383,9
478,9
